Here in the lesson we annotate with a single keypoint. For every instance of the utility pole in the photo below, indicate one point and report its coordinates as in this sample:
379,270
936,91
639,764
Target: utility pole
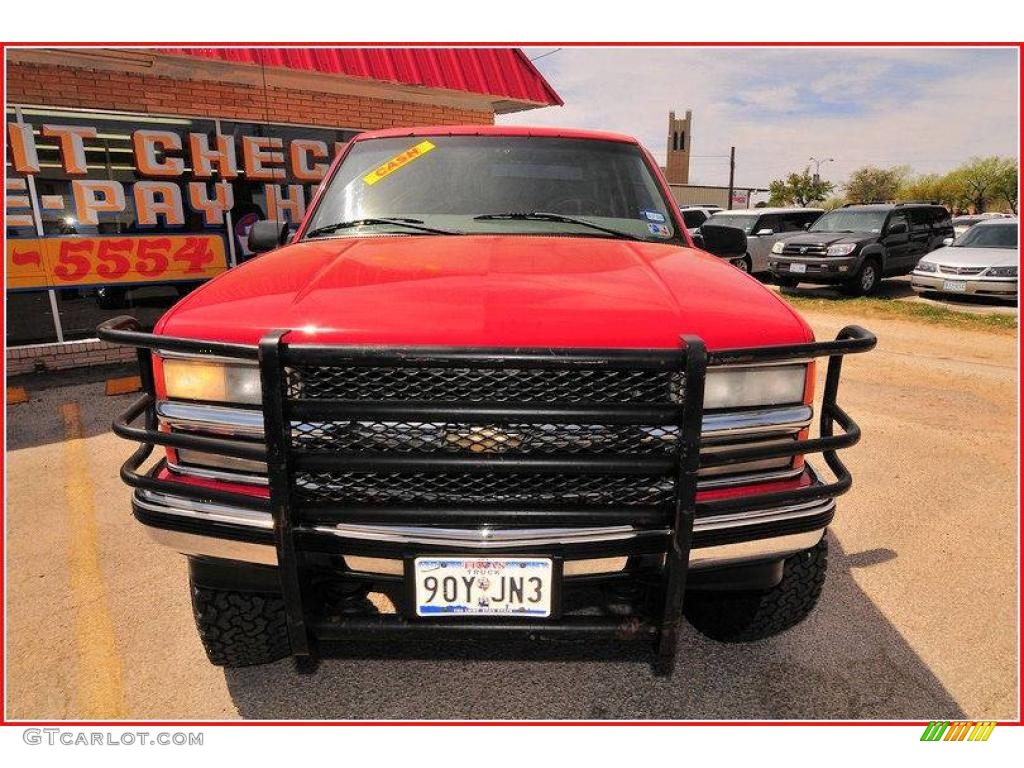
732,173
817,166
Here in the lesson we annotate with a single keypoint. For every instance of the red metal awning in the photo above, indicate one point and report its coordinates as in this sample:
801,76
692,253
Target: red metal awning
505,74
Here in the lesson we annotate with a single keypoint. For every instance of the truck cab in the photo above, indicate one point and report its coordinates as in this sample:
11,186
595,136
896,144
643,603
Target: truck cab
490,378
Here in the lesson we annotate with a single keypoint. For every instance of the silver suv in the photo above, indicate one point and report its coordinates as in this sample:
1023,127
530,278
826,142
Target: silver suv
763,226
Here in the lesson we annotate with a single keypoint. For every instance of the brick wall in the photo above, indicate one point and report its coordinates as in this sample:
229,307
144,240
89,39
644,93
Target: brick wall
128,92
70,354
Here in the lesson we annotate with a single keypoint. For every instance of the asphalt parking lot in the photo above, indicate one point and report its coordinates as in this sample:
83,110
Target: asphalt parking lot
918,619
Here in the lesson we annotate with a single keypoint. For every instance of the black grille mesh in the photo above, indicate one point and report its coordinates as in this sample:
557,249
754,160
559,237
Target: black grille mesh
483,439
462,488
485,385
546,387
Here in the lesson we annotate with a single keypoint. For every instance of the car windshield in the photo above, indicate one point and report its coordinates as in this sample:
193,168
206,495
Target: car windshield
989,236
494,184
847,220
738,220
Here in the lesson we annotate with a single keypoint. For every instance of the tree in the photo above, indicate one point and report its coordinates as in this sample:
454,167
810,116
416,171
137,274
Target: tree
944,189
1006,185
799,188
874,185
984,179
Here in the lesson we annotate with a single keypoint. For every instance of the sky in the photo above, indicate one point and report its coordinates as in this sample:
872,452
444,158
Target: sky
927,108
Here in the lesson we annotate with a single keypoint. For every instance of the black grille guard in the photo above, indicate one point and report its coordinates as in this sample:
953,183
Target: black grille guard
295,513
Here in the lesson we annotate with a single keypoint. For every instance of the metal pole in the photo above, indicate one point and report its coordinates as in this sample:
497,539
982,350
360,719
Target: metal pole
732,173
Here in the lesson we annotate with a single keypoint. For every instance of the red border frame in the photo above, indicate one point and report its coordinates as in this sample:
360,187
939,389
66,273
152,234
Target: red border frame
613,723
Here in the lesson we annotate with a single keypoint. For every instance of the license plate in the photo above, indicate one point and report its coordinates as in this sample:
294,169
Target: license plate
798,268
954,286
461,586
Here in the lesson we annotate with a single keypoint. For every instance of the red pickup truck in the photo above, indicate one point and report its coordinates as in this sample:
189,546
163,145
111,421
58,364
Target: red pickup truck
491,378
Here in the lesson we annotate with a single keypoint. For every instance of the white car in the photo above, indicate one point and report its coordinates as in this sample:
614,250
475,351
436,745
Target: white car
695,215
982,262
763,227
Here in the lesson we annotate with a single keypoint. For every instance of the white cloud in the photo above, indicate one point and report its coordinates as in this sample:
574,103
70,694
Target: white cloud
930,108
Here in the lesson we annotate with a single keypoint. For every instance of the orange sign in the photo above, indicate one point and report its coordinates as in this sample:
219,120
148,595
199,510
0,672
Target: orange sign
398,161
56,262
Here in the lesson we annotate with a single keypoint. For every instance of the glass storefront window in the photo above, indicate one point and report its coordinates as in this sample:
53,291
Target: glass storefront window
302,158
137,210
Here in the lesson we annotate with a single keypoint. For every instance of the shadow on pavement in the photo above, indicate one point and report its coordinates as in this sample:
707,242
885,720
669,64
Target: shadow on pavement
887,289
845,662
899,288
40,421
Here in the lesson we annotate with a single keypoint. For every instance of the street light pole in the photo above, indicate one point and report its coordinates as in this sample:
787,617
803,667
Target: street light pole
732,173
817,166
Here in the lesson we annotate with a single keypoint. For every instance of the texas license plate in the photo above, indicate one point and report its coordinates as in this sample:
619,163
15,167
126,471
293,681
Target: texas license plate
460,586
798,268
954,286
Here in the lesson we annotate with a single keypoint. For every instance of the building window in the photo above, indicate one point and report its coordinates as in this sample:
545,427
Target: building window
137,210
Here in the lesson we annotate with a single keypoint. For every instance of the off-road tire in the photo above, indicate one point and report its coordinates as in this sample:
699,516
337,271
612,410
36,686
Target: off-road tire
239,629
738,617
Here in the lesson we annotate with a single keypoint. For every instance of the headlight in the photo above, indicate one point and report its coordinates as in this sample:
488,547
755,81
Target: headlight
777,248
1002,272
841,249
927,266
742,387
219,382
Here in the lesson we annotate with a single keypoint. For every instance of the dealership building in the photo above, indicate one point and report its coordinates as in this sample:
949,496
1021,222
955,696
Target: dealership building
134,174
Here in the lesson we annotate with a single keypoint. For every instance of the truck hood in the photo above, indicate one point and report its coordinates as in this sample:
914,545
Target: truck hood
503,291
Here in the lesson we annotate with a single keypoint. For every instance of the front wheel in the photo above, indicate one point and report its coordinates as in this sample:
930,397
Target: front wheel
743,264
239,629
865,282
734,617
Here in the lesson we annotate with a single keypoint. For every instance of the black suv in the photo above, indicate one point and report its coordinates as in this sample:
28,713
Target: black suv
857,245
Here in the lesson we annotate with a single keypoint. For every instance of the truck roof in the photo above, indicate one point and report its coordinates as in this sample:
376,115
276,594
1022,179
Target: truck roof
496,130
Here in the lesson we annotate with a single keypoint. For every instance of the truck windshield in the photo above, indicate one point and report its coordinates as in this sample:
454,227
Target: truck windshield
845,220
493,184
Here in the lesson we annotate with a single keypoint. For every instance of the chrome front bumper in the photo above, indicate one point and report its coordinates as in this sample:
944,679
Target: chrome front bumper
155,509
974,286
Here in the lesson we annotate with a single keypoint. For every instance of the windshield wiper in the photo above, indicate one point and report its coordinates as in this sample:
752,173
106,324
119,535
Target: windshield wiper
544,216
416,224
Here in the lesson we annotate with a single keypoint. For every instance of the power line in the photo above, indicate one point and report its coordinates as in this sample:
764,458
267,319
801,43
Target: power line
556,50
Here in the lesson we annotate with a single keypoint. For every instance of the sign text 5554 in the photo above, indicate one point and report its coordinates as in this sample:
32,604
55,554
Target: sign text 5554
70,261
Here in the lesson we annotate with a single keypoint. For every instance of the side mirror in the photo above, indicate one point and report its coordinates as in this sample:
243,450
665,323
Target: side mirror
897,229
722,241
947,241
763,232
267,235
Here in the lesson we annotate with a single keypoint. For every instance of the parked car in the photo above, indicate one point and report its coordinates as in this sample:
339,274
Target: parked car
982,262
489,378
695,215
857,245
962,223
763,226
